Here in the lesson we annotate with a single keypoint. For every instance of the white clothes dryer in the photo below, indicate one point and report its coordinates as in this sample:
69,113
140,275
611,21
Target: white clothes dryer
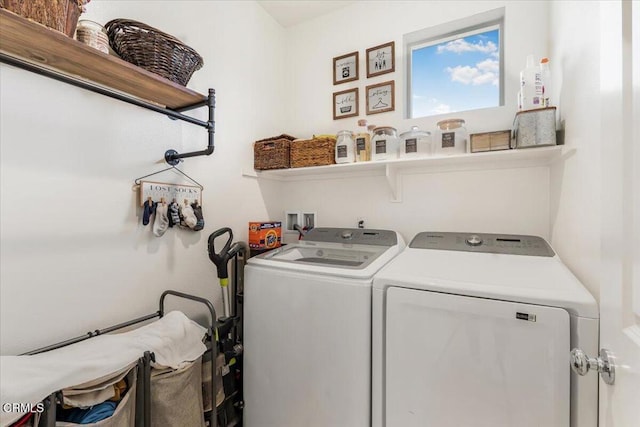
307,329
476,330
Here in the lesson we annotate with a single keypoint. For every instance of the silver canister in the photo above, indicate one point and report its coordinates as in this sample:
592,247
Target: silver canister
535,128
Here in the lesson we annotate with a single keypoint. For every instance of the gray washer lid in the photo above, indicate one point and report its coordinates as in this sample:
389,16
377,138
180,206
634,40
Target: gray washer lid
355,236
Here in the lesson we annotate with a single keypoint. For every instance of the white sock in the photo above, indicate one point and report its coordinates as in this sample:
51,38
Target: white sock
161,222
187,213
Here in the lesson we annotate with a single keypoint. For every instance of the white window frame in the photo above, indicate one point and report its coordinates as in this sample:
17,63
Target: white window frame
480,23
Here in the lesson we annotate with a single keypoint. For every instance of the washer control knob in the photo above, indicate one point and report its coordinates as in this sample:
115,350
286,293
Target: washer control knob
347,234
474,240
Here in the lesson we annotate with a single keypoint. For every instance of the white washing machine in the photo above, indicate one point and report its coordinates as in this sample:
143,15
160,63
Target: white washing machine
307,329
476,330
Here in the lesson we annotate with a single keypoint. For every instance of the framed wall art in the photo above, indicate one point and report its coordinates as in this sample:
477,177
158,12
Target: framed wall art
345,68
345,104
381,59
381,97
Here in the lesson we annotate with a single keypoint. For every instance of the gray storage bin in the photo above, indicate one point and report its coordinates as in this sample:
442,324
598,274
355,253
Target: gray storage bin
176,396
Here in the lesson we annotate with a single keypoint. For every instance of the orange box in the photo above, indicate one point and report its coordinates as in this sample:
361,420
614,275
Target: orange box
265,235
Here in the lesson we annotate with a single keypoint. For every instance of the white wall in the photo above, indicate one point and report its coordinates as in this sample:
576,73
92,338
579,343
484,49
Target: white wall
575,183
312,45
74,255
505,201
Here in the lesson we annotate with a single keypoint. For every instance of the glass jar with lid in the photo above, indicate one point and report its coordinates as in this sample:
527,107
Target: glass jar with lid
92,34
451,137
363,142
345,152
416,143
384,143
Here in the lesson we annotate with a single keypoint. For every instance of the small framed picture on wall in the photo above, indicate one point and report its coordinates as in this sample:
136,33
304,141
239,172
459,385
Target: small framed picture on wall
381,97
381,59
345,68
345,104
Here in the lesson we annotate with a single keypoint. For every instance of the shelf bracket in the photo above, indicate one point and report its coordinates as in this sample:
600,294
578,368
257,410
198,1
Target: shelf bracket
172,157
395,186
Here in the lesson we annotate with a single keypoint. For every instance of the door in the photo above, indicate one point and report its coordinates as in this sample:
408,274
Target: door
461,361
620,281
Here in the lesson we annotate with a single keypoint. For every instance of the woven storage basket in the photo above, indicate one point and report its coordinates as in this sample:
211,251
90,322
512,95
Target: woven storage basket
313,152
272,153
153,50
59,15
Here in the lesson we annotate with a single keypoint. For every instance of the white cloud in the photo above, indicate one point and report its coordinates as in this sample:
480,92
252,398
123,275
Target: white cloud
461,46
488,66
484,72
429,106
441,109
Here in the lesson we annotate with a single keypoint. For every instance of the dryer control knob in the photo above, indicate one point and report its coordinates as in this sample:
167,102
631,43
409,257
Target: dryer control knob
474,240
347,234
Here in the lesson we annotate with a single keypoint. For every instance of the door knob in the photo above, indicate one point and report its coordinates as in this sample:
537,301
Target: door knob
581,364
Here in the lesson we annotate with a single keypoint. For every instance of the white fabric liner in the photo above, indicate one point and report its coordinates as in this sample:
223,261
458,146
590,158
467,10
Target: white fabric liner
93,392
175,339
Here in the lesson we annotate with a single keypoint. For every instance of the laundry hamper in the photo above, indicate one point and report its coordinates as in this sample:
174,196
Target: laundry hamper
125,412
206,381
176,396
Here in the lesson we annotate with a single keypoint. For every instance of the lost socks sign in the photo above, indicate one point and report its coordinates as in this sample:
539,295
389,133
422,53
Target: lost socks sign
169,192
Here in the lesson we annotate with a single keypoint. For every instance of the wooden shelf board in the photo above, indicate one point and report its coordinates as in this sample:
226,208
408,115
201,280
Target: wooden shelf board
47,48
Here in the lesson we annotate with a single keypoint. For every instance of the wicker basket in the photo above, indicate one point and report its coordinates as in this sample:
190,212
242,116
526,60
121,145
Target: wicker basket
153,50
313,152
59,15
272,153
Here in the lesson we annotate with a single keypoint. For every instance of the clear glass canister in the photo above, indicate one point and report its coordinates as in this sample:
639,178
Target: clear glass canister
345,151
416,143
363,147
92,34
384,143
363,142
451,137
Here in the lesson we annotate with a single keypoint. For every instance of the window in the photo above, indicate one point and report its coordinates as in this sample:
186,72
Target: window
456,66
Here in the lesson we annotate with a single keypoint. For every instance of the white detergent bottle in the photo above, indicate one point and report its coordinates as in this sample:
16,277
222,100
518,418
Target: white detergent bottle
531,86
547,83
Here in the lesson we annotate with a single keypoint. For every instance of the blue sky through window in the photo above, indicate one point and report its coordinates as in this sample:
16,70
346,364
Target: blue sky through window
456,75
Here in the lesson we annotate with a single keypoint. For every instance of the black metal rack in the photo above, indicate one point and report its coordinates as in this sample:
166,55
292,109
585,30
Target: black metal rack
171,156
143,400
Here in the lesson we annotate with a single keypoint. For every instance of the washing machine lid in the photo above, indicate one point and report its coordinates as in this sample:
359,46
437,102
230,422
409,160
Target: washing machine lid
346,252
502,267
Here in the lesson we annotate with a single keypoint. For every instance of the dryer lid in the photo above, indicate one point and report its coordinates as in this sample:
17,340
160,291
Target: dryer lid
513,244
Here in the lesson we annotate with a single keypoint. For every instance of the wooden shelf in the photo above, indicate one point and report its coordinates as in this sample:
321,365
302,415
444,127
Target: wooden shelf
393,169
46,48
